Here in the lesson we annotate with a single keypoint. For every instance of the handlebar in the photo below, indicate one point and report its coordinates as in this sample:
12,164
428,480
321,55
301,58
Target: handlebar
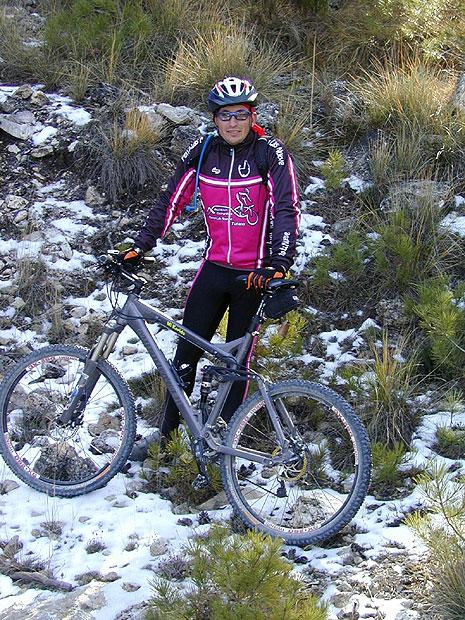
113,266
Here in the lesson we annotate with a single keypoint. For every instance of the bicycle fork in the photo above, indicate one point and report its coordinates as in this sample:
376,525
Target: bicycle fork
90,375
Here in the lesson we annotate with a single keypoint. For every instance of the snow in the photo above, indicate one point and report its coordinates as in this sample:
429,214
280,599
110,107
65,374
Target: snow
109,515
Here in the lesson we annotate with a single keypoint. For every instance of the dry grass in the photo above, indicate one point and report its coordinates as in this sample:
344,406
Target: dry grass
231,50
124,156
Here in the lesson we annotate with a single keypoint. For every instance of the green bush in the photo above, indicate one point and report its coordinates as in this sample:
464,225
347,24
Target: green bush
179,469
334,170
442,529
443,321
88,28
235,577
411,246
386,464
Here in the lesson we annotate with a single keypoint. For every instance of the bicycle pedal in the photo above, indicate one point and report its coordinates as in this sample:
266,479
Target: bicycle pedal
200,482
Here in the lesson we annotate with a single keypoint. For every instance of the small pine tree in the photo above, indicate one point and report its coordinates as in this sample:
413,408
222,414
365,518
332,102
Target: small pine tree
236,577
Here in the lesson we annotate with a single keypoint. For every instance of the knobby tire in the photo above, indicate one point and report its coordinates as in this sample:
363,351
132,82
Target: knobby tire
65,460
312,495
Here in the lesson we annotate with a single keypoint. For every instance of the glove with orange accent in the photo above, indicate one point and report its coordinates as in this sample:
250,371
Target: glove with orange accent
259,279
131,258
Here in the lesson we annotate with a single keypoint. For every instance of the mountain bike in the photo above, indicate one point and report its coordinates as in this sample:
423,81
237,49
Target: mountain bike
294,459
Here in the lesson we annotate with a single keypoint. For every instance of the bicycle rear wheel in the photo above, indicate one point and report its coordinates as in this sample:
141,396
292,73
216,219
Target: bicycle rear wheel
71,459
319,485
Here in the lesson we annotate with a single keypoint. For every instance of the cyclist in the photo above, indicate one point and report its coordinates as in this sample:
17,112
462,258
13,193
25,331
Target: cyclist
251,227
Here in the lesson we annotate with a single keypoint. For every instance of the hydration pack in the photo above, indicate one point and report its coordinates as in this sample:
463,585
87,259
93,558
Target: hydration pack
260,154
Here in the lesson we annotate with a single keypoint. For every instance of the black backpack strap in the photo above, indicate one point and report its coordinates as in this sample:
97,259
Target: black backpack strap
261,157
209,140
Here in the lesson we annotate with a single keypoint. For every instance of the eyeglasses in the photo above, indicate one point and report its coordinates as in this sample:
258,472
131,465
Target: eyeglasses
240,115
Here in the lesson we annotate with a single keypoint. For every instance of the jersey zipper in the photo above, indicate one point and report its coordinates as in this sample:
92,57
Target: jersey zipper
228,258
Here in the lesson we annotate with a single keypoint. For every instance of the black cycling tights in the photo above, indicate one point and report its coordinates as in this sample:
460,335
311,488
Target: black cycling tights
213,291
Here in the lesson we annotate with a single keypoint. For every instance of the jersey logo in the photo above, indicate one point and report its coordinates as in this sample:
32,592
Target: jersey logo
244,169
216,170
244,210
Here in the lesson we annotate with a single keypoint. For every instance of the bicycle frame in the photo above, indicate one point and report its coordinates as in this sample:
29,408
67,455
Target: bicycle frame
135,313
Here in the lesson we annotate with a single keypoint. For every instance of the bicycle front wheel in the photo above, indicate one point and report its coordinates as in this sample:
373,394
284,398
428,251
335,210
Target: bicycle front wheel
74,458
320,471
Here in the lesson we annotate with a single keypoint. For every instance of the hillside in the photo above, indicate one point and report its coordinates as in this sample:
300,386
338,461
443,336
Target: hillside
374,121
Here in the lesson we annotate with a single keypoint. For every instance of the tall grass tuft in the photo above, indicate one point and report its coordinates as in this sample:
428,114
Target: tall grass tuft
442,530
384,388
230,50
124,155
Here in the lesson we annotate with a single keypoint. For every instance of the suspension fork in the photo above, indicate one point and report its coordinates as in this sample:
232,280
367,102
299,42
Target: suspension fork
276,422
90,374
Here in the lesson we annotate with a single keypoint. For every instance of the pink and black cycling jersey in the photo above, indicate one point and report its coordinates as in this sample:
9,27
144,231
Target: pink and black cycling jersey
249,224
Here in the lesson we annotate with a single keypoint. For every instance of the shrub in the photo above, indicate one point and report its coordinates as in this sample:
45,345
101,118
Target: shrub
383,388
386,463
411,245
340,274
233,577
211,55
443,533
36,287
450,442
90,28
180,470
334,170
443,321
124,156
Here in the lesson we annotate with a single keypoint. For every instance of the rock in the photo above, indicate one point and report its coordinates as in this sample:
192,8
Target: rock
15,203
458,98
404,195
42,151
8,485
76,605
110,577
93,198
130,587
407,614
39,98
25,91
179,115
159,547
19,130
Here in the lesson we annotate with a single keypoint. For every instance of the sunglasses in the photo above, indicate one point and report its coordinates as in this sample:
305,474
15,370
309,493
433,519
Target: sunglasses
240,115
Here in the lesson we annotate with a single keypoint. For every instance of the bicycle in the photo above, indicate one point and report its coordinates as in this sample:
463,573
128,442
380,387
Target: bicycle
295,459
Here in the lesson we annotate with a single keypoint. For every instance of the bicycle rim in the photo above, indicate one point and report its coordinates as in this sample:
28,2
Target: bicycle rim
80,456
315,490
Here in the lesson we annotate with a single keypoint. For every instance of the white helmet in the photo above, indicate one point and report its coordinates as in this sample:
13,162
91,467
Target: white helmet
229,91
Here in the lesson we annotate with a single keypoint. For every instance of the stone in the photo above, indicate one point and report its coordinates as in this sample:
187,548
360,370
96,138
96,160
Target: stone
25,91
42,151
93,198
159,547
21,131
130,587
15,203
8,485
179,115
39,98
76,605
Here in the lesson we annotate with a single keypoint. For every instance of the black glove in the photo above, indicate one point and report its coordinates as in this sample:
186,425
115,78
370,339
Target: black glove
131,258
260,278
